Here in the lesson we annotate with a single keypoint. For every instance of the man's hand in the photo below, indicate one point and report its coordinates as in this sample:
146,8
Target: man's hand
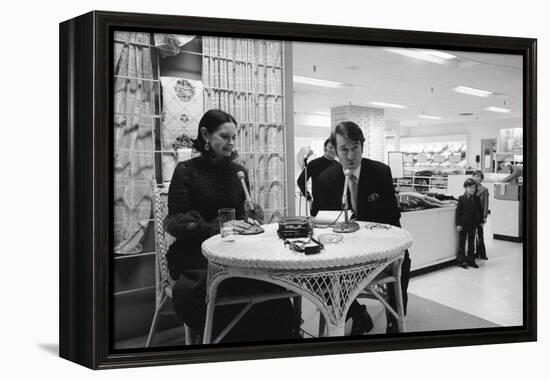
459,228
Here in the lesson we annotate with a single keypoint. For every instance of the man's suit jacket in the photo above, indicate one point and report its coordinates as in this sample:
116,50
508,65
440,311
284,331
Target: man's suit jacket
376,201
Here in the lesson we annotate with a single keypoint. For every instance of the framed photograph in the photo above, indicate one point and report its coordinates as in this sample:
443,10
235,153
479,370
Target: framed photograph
236,189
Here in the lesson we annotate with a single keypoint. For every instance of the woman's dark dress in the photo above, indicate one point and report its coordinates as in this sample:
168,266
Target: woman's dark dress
200,187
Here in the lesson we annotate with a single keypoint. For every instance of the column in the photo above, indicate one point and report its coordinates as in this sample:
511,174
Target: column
370,120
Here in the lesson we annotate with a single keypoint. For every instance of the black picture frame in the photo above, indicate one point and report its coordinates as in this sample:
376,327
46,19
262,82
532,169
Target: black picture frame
86,185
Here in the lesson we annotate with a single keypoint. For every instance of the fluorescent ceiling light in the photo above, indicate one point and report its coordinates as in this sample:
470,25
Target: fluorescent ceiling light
432,56
438,54
316,113
316,82
430,117
388,105
498,109
472,91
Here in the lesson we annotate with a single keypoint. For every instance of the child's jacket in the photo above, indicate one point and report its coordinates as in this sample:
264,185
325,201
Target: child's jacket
469,213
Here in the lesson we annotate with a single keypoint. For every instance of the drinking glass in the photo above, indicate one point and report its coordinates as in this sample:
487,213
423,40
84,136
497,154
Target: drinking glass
226,217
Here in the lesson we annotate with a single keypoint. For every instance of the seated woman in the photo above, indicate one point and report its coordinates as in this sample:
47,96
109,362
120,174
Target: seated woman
199,187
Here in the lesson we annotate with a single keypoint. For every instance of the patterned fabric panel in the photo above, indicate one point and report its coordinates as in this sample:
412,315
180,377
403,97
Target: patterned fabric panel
135,108
182,110
133,57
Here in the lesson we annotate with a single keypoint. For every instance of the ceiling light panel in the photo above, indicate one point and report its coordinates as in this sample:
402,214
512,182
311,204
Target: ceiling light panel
316,82
498,109
472,91
430,117
438,54
418,54
387,105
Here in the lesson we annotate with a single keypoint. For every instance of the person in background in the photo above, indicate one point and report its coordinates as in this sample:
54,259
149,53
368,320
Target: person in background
314,168
483,194
372,198
468,219
198,189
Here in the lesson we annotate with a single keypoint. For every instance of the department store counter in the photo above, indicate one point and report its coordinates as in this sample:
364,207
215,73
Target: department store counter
435,239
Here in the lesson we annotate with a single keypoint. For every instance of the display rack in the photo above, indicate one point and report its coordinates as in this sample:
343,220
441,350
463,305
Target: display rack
245,78
137,118
240,76
421,184
137,114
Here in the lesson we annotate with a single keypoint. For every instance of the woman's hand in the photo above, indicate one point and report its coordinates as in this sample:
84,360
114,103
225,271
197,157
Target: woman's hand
256,214
458,228
253,222
240,226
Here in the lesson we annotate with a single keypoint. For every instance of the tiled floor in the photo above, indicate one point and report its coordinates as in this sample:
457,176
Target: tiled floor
492,292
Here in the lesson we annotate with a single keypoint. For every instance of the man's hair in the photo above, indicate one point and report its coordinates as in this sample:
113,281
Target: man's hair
469,182
347,129
327,141
480,173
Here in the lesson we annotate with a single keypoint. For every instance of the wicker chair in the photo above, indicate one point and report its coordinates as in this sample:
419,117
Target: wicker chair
163,281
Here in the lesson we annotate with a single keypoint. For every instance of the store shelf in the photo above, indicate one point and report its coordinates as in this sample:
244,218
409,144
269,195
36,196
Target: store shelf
237,91
245,62
411,183
119,256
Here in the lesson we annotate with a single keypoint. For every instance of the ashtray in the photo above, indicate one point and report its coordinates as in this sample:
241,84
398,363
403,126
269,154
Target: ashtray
377,226
330,238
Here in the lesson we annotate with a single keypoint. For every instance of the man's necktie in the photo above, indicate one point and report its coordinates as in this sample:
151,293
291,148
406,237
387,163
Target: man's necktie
353,186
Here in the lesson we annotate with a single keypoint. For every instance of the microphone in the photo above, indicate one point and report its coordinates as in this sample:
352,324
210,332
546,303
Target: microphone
309,154
240,174
347,225
347,173
254,229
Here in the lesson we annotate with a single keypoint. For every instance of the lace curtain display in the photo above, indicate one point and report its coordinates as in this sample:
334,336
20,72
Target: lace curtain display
182,109
135,109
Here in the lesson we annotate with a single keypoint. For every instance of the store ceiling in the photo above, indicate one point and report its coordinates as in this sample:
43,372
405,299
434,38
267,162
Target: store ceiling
374,74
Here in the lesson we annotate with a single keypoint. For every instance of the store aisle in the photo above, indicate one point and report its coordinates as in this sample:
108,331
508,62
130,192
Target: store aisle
493,292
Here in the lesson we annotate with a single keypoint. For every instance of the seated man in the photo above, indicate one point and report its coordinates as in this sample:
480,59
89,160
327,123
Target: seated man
372,199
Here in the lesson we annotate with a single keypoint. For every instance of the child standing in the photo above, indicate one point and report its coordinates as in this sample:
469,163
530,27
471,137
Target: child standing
483,194
468,219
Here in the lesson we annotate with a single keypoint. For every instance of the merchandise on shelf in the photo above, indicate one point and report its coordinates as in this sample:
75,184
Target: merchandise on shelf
410,201
245,78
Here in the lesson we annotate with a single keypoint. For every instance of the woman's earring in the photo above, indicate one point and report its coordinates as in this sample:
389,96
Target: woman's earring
207,146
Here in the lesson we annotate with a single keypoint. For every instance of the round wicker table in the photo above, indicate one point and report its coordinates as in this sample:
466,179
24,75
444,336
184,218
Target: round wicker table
331,279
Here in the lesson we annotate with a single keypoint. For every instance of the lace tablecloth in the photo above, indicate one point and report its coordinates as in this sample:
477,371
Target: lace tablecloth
268,251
